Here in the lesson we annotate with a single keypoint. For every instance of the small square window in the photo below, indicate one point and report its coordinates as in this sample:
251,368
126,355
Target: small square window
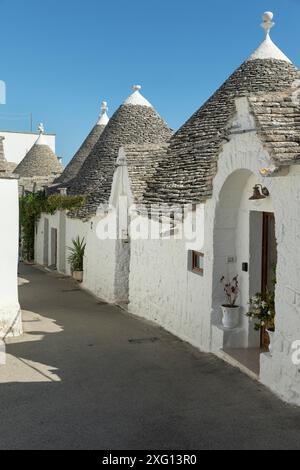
197,262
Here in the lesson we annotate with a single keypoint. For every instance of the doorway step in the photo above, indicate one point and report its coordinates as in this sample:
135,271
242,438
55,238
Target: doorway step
246,360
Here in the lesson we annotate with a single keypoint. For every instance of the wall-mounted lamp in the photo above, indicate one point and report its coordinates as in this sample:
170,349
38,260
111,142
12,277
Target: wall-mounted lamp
271,171
259,194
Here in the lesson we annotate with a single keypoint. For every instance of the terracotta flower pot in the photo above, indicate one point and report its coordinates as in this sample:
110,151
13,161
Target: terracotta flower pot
231,317
78,276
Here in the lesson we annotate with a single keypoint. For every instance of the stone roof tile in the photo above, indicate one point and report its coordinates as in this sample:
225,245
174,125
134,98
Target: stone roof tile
141,162
73,168
280,130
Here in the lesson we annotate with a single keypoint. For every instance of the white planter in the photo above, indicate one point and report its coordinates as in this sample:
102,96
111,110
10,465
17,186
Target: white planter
271,337
78,276
231,317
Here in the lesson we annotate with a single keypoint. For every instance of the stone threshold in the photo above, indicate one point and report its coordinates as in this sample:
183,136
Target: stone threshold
238,359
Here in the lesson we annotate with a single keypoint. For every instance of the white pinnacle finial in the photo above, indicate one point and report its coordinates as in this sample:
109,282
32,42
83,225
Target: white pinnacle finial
41,128
136,98
268,23
42,140
103,119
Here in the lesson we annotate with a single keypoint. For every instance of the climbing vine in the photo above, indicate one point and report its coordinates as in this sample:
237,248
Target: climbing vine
31,208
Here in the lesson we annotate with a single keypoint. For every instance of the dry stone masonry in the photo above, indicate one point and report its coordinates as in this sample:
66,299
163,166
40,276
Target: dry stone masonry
73,168
131,124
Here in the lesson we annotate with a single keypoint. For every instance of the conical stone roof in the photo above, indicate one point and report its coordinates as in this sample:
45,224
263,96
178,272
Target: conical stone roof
72,169
186,174
40,160
135,122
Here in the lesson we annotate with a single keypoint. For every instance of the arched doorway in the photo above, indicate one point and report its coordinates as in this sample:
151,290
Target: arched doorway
244,245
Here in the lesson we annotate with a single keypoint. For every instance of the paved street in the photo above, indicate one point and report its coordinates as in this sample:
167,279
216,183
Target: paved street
86,375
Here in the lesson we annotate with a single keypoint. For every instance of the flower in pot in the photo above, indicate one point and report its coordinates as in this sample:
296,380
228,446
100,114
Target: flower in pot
76,257
231,311
262,313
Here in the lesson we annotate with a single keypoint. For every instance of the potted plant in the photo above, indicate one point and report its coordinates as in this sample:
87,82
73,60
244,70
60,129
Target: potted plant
75,258
262,312
231,311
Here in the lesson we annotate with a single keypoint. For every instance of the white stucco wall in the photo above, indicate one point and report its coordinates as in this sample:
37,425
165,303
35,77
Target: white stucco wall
100,264
18,144
74,228
10,314
67,229
163,290
39,242
53,221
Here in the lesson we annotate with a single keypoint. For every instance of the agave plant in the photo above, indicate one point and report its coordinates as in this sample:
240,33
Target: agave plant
77,254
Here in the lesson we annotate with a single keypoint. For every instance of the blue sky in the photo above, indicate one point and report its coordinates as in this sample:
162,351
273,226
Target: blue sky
60,58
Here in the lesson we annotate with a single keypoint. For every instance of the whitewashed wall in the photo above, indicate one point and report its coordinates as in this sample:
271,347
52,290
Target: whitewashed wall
67,229
10,314
163,290
53,221
100,264
74,228
17,144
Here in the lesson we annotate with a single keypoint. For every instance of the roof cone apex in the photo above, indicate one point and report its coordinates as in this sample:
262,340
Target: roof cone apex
42,139
137,99
103,119
267,49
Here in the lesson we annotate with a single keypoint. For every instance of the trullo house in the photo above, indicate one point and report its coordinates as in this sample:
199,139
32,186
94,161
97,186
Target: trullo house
40,166
232,173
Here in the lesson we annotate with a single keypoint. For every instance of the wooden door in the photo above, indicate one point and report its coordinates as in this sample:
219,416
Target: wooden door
54,248
269,261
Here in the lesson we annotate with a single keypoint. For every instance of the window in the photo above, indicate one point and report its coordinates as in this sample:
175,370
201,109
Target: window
197,264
